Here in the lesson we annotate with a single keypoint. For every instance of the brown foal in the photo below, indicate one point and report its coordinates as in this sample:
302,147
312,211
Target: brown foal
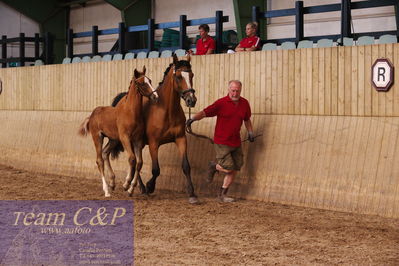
123,124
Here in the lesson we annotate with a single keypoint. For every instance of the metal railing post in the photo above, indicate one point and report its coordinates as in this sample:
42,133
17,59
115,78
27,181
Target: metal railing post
219,31
183,31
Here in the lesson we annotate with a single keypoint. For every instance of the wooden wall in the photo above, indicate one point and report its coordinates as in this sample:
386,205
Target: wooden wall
329,139
323,81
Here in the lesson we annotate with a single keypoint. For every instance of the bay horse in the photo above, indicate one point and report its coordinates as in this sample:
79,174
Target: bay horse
123,124
165,121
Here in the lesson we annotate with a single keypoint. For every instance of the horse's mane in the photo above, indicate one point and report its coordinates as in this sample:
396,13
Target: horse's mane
181,63
117,98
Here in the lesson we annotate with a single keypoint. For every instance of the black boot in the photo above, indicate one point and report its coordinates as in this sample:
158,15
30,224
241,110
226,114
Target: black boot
223,197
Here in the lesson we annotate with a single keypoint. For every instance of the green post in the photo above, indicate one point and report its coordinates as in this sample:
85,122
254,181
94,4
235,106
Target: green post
243,15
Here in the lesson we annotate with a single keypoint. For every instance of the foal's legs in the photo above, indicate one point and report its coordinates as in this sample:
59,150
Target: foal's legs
125,140
153,146
138,148
98,143
105,154
182,146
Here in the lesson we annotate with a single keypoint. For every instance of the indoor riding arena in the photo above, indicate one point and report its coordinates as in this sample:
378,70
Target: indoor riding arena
319,186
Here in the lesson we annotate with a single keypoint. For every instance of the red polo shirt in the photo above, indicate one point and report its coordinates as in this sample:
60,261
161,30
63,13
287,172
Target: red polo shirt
229,119
249,42
204,45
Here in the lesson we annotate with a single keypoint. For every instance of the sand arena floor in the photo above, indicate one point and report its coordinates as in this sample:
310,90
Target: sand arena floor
169,231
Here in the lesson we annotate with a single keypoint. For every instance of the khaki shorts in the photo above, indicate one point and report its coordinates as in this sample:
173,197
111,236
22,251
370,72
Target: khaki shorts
230,158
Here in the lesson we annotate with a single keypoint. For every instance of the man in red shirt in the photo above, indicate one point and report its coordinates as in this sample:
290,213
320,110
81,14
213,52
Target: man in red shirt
231,111
205,44
251,42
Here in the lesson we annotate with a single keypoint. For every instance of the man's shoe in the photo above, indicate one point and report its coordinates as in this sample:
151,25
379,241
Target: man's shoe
223,197
226,199
211,172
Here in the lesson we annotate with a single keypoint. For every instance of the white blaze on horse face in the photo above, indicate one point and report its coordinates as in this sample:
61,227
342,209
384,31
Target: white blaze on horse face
186,77
146,80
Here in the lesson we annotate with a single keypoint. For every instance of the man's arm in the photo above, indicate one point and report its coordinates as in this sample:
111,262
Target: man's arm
196,117
248,125
210,51
239,49
199,116
253,48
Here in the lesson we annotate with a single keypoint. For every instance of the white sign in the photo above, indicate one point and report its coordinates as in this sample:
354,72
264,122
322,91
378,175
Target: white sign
382,74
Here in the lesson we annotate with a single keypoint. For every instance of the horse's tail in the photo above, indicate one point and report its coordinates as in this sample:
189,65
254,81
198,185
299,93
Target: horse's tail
118,148
84,127
116,151
117,98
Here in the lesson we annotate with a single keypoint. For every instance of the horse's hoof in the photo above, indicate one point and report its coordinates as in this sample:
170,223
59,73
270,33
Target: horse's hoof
193,200
130,191
112,184
150,188
143,190
107,195
125,186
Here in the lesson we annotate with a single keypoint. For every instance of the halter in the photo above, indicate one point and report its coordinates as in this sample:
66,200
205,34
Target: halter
141,91
184,92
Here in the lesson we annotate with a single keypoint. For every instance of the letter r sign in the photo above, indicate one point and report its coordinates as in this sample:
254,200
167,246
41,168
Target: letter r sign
382,74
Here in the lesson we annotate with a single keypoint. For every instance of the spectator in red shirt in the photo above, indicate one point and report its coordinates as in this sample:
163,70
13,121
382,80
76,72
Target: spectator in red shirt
251,42
205,44
230,111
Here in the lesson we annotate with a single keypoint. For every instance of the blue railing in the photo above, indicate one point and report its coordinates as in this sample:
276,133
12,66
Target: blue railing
47,57
345,7
150,28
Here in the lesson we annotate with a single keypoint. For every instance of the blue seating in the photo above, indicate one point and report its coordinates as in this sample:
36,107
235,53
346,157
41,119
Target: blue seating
387,38
365,40
129,56
76,60
324,43
66,60
305,44
166,53
153,54
96,58
117,57
141,55
347,41
180,52
39,62
107,58
288,45
269,46
86,59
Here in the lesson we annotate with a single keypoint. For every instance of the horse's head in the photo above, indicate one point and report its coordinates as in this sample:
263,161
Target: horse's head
183,78
144,85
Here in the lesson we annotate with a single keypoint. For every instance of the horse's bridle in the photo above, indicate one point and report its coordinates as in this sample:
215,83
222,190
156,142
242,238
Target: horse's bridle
141,90
183,92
